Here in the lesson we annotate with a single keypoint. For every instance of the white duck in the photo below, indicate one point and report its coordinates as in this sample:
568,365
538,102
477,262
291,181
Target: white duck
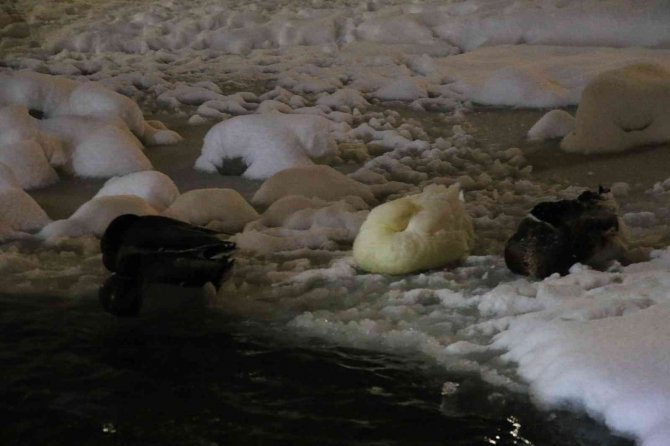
417,232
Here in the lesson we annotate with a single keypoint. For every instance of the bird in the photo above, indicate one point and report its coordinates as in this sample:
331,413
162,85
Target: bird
143,250
417,232
557,234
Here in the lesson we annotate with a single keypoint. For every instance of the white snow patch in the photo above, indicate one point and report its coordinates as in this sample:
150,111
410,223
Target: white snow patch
155,187
267,143
554,124
622,109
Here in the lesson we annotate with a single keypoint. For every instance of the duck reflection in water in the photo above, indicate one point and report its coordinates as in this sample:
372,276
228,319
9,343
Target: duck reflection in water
141,251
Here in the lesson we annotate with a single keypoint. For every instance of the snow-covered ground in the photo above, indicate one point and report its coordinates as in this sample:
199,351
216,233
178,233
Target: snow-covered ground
387,94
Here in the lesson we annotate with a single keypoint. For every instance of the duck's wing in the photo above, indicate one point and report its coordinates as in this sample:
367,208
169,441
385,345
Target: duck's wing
124,245
165,234
538,249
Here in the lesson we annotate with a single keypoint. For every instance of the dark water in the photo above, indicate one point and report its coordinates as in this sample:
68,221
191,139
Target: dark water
72,375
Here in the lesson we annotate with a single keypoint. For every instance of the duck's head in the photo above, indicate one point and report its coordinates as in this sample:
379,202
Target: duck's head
603,198
112,239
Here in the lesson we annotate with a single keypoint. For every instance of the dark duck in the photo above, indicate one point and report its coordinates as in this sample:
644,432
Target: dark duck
556,235
141,251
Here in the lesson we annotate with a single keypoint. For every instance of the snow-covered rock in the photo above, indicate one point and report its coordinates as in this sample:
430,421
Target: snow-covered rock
95,148
155,187
554,124
622,109
317,181
416,232
57,96
24,148
267,143
19,212
93,217
222,210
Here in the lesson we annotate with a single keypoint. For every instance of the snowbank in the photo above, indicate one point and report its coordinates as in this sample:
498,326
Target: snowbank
537,76
603,345
468,24
267,143
622,109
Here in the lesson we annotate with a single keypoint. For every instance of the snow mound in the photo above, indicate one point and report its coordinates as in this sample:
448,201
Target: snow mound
615,367
622,109
55,96
554,124
267,143
95,148
408,89
222,210
155,187
85,128
19,212
317,181
296,222
345,97
414,233
7,178
537,76
93,217
23,148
